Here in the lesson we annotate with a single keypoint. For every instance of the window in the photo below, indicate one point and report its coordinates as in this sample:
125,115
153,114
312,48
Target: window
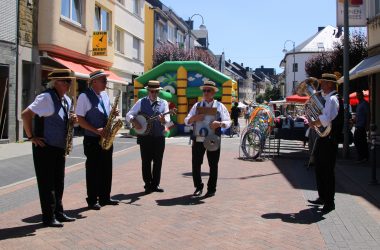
180,38
102,19
377,7
136,7
160,31
119,38
72,9
136,48
171,33
295,67
121,2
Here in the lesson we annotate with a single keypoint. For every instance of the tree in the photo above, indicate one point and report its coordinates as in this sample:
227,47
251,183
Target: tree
332,61
260,98
272,94
169,52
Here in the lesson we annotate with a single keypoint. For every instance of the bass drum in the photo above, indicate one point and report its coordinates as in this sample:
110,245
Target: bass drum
251,143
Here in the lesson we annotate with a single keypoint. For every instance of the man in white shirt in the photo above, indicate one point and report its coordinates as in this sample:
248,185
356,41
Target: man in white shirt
326,147
152,145
51,113
93,110
198,149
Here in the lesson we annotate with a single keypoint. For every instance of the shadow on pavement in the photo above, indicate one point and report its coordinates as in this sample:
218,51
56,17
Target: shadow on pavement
185,200
18,232
132,197
77,213
306,216
190,174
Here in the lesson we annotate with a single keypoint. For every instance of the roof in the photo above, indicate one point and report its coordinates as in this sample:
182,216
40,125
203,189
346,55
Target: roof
169,66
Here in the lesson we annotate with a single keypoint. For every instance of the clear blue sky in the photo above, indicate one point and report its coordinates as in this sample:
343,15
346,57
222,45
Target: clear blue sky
253,32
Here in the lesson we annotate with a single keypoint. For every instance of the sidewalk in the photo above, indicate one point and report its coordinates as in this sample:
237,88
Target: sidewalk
258,205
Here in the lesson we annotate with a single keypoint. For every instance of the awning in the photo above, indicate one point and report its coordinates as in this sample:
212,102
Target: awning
368,66
297,99
354,101
83,71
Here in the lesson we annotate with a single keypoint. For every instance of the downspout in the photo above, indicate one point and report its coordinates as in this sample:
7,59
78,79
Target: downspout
17,70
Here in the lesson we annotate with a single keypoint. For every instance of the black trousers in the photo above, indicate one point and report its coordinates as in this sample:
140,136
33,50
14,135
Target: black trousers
324,158
98,170
361,143
198,152
49,163
152,150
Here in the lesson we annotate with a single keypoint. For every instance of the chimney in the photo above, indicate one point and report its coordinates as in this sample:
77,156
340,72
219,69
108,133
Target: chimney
242,64
320,28
262,66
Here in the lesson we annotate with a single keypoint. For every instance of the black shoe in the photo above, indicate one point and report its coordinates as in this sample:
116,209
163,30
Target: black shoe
198,191
157,189
318,201
210,194
64,218
148,191
53,223
109,202
95,206
327,208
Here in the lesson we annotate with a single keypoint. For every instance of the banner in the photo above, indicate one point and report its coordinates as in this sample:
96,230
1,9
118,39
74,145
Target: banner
357,13
99,43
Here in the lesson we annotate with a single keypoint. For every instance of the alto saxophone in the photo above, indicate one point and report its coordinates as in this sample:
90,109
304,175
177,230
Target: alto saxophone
110,128
70,131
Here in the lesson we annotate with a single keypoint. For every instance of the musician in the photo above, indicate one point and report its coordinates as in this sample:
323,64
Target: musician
50,111
152,146
326,147
198,150
93,109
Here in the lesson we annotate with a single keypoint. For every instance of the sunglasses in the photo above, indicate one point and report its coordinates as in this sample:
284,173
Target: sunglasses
207,90
153,91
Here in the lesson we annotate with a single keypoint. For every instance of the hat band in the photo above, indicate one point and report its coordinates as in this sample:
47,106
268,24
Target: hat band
329,78
61,75
98,74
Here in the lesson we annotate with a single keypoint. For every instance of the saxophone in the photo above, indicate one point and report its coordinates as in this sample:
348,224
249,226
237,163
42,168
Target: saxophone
70,131
110,128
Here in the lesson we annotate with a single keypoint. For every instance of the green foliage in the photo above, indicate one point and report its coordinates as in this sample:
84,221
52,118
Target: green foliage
332,61
169,52
260,98
272,94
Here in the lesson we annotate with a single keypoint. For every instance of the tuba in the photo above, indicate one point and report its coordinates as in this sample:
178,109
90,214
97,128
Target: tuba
315,104
111,128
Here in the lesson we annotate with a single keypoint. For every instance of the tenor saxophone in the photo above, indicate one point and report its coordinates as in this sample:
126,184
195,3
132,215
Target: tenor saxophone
111,128
70,131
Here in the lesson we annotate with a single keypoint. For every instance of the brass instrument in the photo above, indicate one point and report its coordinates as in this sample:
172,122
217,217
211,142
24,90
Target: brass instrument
315,104
70,130
110,128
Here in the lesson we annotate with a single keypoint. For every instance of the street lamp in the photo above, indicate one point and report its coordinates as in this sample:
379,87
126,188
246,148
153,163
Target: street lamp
294,60
201,27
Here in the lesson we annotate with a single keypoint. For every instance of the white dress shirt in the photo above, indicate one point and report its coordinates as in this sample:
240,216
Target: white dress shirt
135,110
43,106
84,104
330,110
224,114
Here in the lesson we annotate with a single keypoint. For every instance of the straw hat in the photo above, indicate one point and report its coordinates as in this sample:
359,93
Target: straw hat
98,73
209,84
61,74
153,85
328,78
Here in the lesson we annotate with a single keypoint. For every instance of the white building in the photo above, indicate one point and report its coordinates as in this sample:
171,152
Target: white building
129,47
294,62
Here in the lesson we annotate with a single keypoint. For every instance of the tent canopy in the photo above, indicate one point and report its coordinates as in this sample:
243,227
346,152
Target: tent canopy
297,99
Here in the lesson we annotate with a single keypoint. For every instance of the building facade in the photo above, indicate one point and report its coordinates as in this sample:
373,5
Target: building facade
294,61
8,69
66,39
128,61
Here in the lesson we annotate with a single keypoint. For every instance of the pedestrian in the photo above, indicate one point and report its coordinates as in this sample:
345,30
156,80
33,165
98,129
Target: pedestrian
361,127
326,147
235,113
50,111
198,149
93,109
247,114
152,145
